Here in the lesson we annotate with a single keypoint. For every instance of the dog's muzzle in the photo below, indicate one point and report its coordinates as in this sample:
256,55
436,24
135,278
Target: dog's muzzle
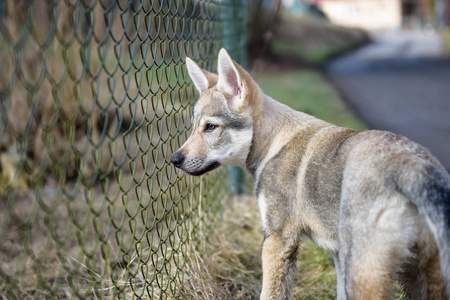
195,166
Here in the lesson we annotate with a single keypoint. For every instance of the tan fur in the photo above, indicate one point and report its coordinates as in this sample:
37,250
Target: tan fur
278,256
377,201
435,284
212,78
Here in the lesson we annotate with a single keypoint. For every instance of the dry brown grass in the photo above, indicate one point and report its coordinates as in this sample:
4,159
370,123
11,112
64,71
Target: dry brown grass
231,265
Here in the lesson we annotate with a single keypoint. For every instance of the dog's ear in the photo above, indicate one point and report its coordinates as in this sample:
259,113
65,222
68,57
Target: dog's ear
231,81
202,79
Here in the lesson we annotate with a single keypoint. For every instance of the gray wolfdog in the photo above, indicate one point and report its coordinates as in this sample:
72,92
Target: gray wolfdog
378,202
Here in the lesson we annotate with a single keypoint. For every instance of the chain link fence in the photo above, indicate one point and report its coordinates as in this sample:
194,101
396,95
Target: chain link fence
94,99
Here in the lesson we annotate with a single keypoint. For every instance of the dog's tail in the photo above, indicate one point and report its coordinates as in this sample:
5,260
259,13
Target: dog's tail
431,195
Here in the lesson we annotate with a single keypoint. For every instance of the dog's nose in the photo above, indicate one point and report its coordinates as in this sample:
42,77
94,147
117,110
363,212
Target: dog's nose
177,159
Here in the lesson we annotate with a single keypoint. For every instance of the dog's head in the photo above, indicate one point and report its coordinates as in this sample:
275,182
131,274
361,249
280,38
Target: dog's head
222,118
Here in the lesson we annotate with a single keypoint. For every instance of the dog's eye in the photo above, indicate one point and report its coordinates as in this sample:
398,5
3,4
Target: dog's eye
210,127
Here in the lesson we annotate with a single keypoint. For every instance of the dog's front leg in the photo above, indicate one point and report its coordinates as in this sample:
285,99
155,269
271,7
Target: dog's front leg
278,258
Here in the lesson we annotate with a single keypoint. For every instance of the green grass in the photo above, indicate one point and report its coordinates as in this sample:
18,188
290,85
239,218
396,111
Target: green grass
309,92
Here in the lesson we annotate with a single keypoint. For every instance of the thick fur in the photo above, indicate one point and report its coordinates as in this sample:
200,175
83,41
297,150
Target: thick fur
377,201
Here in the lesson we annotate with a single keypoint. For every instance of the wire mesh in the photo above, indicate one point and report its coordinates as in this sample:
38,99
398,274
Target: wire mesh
94,98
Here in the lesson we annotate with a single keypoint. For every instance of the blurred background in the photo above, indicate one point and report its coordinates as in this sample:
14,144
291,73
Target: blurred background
267,18
95,97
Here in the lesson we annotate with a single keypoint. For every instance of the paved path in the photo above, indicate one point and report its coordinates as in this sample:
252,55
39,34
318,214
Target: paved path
399,83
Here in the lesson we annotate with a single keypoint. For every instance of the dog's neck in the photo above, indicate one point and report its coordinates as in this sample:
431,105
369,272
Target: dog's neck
273,118
276,124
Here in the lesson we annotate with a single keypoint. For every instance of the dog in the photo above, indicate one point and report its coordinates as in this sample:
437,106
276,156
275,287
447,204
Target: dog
378,202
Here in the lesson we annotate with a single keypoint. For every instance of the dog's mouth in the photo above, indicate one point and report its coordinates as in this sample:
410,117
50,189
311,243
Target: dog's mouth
209,167
195,166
